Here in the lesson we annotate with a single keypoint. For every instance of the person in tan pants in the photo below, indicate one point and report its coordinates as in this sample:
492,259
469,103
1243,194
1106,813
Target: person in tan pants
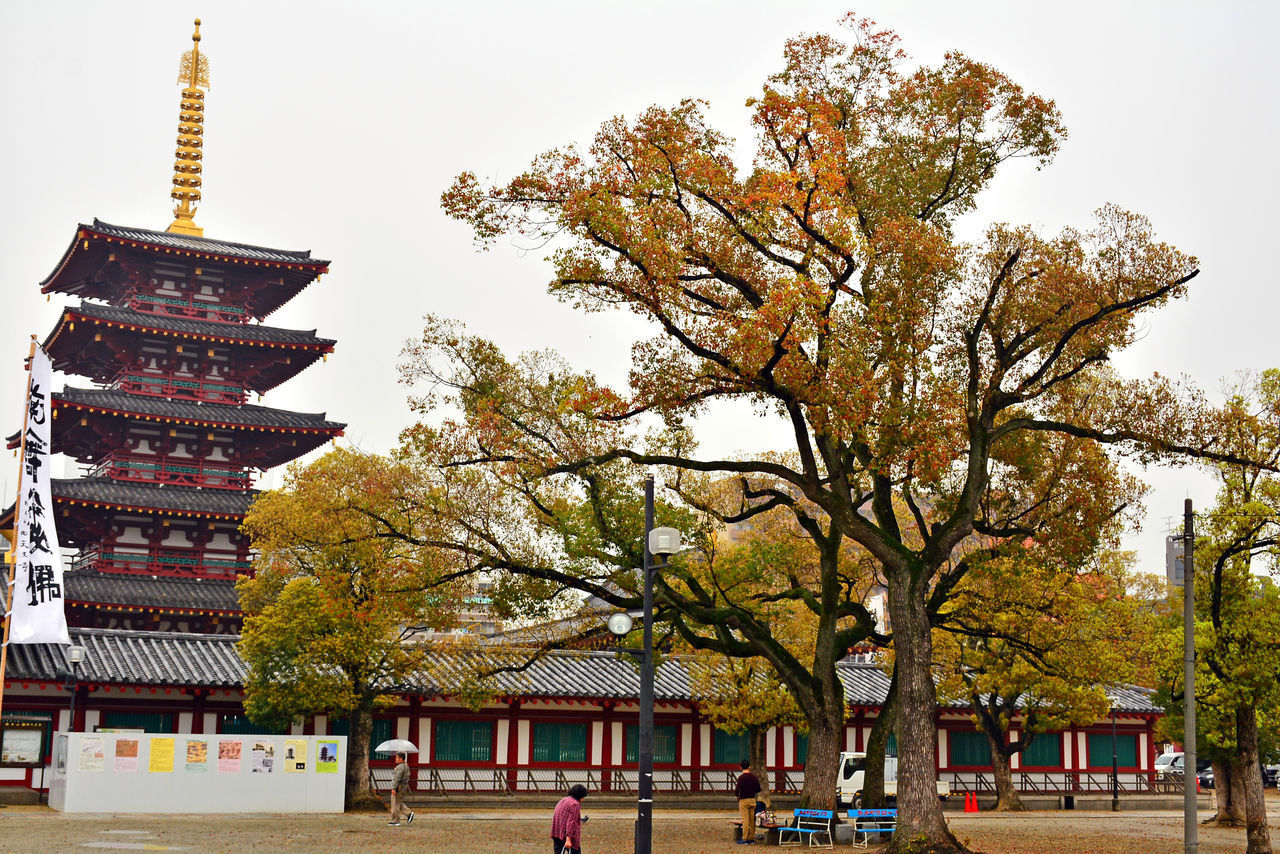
746,790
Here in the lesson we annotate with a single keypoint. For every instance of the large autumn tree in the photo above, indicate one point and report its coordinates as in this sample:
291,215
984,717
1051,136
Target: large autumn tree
334,608
965,383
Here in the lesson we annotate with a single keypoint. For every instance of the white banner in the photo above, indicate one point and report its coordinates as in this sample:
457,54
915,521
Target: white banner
38,612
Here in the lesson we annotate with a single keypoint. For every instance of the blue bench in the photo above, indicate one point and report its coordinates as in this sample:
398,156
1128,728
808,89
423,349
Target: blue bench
867,822
810,825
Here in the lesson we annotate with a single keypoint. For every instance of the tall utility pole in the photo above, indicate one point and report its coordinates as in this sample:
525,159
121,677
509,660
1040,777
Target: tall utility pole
1190,830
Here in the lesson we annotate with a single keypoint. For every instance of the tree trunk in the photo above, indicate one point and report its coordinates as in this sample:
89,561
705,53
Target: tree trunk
823,705
1255,808
873,778
1007,799
359,793
1228,795
758,755
921,827
821,767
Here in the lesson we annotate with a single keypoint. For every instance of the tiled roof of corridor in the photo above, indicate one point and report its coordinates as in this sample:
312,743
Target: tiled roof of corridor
160,658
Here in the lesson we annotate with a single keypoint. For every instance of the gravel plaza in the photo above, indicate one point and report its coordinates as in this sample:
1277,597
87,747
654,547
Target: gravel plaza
454,829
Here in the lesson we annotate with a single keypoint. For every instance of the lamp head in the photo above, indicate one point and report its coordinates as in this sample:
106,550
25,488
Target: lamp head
664,541
75,654
620,623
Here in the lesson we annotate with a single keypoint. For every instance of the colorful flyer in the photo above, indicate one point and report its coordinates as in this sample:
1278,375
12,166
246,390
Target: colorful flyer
161,761
326,757
229,757
126,754
295,755
264,757
92,751
197,755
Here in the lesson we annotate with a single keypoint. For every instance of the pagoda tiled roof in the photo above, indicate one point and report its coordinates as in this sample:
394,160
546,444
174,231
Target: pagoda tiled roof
161,658
193,412
204,329
83,267
77,345
105,492
163,593
205,245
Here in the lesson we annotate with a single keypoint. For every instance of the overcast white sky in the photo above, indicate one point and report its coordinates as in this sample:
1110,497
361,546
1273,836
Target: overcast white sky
334,127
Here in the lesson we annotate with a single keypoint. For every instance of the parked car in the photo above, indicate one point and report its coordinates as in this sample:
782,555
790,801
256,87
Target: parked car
853,768
1170,766
1205,777
1270,773
1167,763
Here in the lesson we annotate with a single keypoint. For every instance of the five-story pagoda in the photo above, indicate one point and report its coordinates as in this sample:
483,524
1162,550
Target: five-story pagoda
169,332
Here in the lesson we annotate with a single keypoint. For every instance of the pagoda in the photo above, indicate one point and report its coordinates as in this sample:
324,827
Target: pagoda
169,335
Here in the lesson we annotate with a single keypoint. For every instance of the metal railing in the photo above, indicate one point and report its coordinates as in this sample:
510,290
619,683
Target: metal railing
168,385
182,563
1064,782
178,471
524,780
178,307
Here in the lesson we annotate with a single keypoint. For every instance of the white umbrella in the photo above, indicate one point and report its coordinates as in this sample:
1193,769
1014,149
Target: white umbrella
396,745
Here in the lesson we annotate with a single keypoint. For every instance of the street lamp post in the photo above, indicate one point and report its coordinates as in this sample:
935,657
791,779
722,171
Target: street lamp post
1115,766
657,541
75,655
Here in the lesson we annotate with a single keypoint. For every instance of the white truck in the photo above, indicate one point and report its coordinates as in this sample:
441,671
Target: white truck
852,770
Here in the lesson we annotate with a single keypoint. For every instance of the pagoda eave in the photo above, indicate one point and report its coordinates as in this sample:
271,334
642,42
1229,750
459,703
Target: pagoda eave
229,334
135,593
84,271
143,409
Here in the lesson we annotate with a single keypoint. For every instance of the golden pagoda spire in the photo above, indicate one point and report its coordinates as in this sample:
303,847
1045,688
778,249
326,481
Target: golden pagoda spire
193,71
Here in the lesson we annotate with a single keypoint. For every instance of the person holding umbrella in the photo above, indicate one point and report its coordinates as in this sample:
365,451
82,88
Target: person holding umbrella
399,788
399,778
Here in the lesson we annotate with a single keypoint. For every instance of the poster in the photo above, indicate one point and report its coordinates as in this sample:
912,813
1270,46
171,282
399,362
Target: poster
295,755
161,756
229,757
126,754
264,757
326,757
197,755
92,751
20,744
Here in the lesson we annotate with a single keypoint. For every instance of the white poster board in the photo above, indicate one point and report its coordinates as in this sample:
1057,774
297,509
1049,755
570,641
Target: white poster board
192,773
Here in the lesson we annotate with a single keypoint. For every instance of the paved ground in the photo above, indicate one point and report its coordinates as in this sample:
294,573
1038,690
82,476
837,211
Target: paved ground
39,830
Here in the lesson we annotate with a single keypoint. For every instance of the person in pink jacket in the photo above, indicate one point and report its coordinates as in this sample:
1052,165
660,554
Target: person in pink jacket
567,821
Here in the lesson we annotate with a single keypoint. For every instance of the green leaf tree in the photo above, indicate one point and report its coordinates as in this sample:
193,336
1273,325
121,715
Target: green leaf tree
1027,641
743,695
334,608
1238,612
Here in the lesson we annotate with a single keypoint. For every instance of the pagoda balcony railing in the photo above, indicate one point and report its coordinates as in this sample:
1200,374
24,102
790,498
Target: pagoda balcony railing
181,563
167,385
177,471
180,307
